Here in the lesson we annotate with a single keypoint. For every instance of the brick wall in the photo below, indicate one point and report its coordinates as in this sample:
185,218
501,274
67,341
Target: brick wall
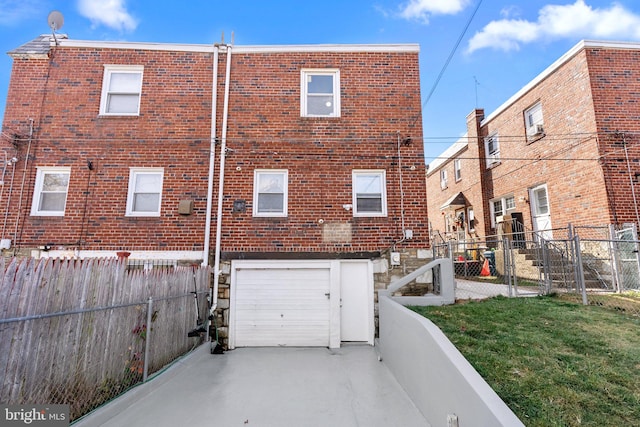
588,156
380,105
615,84
470,183
565,158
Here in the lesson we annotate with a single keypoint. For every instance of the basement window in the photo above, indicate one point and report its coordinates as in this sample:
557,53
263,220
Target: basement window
50,193
121,90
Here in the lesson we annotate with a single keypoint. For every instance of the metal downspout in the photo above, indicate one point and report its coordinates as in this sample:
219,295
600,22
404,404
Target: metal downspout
212,157
223,153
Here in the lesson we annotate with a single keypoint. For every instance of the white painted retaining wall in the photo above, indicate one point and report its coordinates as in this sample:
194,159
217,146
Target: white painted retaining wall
439,380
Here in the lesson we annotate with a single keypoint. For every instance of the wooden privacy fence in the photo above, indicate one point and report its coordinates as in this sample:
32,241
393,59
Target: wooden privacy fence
81,332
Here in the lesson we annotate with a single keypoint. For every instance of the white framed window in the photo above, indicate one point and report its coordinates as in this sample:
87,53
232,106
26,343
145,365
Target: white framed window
501,206
270,192
457,171
50,192
471,219
444,181
145,191
121,90
320,93
492,150
534,121
369,193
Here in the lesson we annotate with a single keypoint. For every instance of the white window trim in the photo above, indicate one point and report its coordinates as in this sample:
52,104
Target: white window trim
133,173
444,179
41,171
336,90
383,179
108,70
285,190
457,170
532,125
492,159
505,210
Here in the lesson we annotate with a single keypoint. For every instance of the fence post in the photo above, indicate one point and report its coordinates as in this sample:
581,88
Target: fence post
546,267
147,341
580,271
613,256
507,264
634,227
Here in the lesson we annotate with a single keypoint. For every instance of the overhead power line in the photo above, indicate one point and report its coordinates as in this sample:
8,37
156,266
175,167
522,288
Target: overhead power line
453,51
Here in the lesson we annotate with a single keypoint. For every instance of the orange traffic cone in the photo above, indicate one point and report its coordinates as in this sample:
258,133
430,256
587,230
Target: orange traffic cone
485,268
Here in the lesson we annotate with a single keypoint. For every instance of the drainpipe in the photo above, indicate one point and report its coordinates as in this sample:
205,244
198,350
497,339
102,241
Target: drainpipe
404,232
24,177
633,190
212,156
223,153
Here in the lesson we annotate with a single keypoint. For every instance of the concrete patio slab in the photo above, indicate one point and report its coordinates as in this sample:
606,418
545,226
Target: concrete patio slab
267,387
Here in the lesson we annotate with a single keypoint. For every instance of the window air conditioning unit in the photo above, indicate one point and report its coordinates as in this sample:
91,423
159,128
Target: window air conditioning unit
536,130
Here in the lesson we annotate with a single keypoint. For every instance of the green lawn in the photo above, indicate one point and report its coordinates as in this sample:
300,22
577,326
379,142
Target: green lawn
554,362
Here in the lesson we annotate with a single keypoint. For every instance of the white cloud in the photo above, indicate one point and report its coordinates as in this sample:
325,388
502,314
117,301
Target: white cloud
423,9
559,21
110,13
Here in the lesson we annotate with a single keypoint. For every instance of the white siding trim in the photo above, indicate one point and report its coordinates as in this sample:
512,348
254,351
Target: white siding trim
408,47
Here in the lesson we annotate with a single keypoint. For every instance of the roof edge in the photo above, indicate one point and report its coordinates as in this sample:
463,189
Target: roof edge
453,150
401,47
583,44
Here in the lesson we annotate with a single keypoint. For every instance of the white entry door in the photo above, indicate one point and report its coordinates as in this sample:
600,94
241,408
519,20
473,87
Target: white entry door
540,213
356,304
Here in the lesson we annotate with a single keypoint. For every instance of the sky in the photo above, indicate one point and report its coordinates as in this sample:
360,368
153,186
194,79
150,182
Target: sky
473,53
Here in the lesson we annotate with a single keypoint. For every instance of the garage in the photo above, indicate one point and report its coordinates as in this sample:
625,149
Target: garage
298,303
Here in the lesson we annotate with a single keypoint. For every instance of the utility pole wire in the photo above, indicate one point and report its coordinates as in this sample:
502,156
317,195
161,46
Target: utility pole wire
446,64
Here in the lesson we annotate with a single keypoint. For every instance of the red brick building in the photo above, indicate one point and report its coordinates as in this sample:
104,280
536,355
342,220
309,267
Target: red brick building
564,149
296,164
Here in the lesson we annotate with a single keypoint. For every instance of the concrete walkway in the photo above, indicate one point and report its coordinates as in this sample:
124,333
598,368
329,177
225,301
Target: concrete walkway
251,387
469,289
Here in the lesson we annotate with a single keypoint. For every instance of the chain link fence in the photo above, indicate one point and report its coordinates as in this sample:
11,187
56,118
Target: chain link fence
596,265
82,333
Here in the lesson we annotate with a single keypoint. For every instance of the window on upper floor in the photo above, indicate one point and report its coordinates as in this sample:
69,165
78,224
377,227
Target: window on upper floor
320,93
492,150
369,193
121,89
270,192
50,192
444,181
145,191
534,122
457,171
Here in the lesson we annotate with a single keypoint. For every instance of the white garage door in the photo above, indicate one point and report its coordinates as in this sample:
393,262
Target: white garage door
281,306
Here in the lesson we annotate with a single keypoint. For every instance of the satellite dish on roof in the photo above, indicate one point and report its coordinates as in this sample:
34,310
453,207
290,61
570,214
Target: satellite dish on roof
55,20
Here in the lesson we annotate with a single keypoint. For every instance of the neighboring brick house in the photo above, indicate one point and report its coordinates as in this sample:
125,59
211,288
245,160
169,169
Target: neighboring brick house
111,146
564,149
